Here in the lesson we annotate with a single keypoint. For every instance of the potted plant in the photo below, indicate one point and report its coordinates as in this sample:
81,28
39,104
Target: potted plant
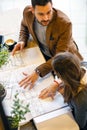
4,55
18,112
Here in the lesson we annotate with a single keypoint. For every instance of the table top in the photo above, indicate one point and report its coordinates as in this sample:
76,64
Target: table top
11,74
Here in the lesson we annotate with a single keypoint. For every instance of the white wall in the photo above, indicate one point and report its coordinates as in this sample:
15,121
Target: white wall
9,4
77,12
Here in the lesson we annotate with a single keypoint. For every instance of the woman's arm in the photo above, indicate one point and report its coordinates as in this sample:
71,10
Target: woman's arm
51,91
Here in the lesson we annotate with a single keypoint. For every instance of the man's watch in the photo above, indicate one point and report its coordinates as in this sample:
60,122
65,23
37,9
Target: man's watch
38,72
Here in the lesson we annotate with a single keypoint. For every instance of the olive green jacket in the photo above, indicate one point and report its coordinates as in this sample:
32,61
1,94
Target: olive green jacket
58,36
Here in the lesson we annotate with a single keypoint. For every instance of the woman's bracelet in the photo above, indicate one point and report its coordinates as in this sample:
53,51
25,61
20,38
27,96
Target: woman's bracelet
56,82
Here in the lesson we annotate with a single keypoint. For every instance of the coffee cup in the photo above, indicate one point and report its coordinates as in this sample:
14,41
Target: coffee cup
10,43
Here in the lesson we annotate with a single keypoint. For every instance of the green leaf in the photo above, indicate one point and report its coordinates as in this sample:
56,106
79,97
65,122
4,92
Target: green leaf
4,55
18,110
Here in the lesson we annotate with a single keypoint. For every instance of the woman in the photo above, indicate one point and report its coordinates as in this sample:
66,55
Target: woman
67,67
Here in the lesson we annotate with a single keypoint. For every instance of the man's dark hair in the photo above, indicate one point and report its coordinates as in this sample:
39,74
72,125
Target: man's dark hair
40,2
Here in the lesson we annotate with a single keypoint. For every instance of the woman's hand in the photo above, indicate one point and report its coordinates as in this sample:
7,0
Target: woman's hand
49,92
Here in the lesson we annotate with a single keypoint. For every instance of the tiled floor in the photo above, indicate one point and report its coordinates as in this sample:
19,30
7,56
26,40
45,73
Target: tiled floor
72,9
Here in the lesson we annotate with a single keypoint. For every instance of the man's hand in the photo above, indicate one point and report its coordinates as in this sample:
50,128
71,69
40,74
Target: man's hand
29,80
18,46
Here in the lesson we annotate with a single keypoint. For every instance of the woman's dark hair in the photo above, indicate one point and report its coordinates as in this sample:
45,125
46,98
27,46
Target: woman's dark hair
40,2
67,66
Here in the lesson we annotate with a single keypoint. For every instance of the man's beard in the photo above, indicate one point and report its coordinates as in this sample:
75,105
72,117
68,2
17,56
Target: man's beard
43,22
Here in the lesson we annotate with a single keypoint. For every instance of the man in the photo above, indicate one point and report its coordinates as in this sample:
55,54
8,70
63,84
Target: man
52,31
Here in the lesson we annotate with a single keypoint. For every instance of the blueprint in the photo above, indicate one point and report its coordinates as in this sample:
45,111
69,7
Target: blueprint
12,73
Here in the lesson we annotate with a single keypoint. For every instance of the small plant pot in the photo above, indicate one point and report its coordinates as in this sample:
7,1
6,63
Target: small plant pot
14,128
2,92
10,122
1,40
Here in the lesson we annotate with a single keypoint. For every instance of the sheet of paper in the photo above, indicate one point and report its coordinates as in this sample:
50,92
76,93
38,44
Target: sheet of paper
23,58
10,75
37,106
52,114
